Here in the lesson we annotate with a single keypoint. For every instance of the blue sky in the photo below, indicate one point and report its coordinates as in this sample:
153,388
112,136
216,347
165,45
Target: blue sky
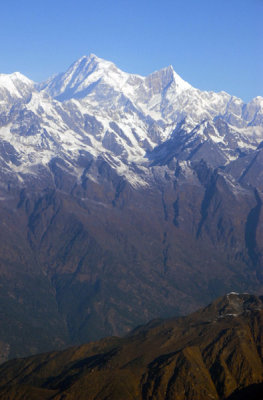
213,44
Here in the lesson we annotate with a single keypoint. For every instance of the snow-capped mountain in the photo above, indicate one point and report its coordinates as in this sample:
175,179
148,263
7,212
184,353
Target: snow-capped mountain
163,95
95,107
122,198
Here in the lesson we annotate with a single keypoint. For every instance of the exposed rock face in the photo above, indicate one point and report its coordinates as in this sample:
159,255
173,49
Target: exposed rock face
214,353
122,199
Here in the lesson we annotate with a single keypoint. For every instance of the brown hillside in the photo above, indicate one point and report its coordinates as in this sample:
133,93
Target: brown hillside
215,353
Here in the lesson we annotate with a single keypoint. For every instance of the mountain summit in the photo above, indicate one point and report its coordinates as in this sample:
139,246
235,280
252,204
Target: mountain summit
161,95
83,73
90,70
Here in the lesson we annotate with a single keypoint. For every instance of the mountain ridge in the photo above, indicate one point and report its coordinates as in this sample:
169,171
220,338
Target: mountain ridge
125,125
215,353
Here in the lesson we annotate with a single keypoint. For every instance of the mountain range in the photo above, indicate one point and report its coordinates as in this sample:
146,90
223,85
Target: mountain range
214,353
123,198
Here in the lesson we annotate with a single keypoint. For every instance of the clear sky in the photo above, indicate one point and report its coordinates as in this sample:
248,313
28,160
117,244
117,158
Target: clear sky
212,44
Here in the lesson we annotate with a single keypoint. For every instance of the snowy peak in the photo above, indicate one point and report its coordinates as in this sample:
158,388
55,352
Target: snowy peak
14,86
89,72
82,76
253,111
160,80
15,77
163,95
